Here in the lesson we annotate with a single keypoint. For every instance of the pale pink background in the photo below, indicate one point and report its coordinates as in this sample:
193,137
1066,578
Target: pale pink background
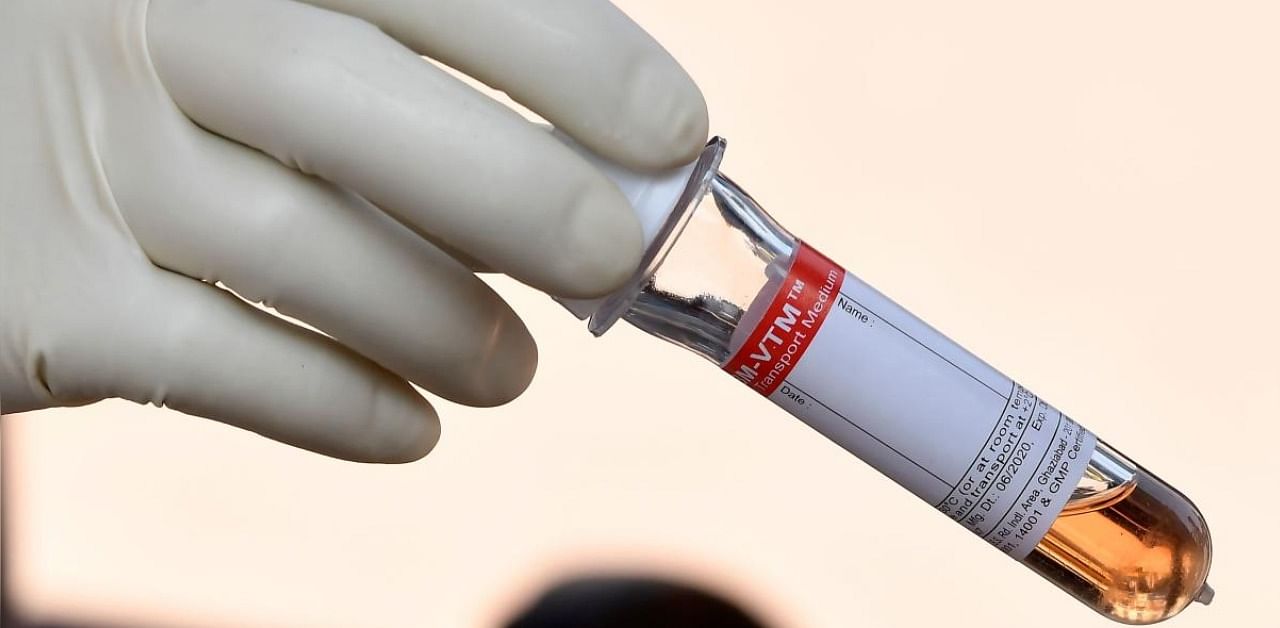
1113,165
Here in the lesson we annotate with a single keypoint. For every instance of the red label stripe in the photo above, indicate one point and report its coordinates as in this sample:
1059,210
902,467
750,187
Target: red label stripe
794,316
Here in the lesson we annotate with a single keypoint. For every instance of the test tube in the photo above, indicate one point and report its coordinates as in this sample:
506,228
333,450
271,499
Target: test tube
721,278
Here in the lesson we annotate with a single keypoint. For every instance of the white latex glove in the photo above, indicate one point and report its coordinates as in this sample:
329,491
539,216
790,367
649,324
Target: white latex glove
307,160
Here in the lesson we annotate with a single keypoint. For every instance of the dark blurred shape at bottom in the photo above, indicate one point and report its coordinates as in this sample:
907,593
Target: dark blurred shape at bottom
630,602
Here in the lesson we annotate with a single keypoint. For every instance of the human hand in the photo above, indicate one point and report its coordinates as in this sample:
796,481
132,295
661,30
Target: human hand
306,160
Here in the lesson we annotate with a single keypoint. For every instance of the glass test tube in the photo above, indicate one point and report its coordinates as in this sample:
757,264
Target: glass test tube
724,280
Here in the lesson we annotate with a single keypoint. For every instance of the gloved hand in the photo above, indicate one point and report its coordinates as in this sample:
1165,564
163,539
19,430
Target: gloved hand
305,159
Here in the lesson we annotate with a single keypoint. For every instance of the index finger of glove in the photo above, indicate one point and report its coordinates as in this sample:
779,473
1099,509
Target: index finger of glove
581,64
333,96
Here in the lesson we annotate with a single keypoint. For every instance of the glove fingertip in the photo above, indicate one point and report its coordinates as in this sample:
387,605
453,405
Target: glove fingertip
667,116
599,244
401,427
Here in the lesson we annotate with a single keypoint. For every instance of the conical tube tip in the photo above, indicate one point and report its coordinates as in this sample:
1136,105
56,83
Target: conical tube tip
1206,594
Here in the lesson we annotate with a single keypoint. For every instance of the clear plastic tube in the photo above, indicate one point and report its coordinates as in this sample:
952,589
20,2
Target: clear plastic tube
1125,543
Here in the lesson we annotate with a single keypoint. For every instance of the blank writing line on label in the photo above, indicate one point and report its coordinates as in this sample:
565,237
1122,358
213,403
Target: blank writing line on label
864,431
915,340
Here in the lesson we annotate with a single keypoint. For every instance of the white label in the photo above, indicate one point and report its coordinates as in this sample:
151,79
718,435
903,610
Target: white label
884,385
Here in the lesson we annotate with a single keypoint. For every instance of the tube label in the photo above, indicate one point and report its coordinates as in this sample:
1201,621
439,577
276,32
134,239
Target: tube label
895,392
